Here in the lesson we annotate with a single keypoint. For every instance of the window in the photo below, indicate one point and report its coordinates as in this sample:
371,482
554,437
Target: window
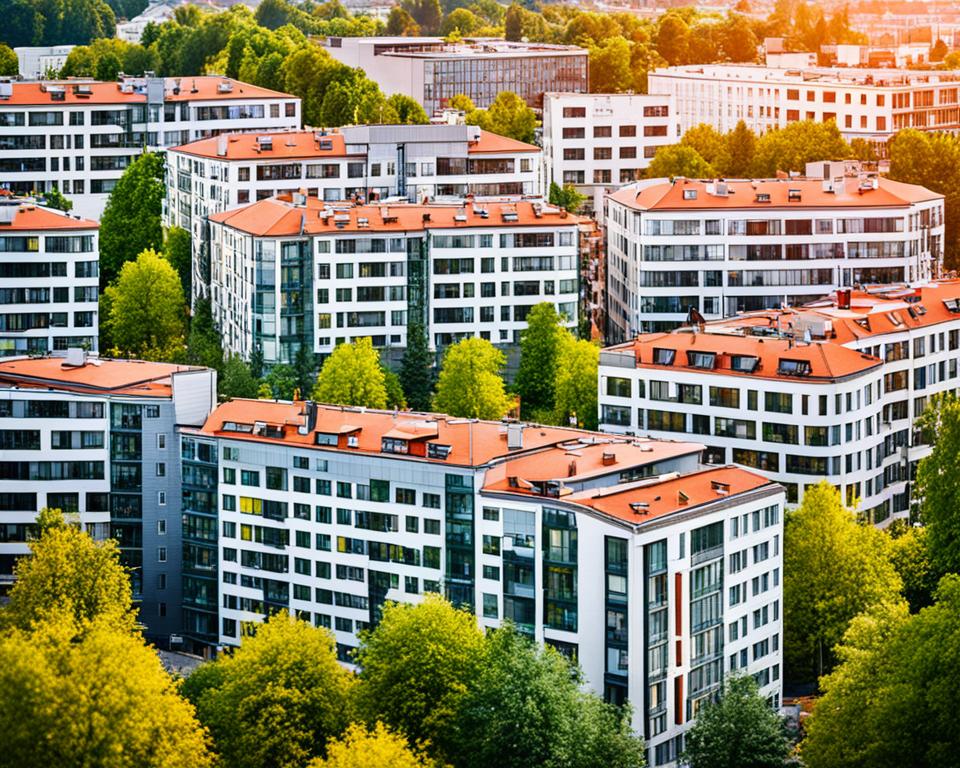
161,554
406,496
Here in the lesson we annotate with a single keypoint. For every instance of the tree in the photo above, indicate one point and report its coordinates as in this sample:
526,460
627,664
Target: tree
177,250
939,50
673,37
861,149
575,395
678,160
401,24
378,747
938,486
426,13
278,698
469,384
566,197
391,383
236,380
203,341
792,147
417,368
461,20
415,667
280,383
539,348
131,219
101,701
513,23
70,579
740,730
526,708
305,366
911,558
509,116
610,70
707,141
408,109
739,147
352,376
55,199
737,39
462,103
147,309
834,569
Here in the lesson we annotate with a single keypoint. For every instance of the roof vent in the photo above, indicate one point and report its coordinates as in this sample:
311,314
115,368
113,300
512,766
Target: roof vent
762,197
264,143
514,436
722,489
6,89
794,196
682,498
222,145
609,458
225,87
76,357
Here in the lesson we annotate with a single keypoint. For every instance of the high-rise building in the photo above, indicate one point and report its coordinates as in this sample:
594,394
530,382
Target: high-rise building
723,247
79,136
97,439
49,280
286,272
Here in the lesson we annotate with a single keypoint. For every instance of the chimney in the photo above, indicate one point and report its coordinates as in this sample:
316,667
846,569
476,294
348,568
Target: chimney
514,436
222,145
843,298
572,468
609,458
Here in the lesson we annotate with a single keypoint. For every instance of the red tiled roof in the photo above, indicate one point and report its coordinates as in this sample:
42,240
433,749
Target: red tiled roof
667,196
647,500
35,218
200,88
278,216
287,145
494,143
100,376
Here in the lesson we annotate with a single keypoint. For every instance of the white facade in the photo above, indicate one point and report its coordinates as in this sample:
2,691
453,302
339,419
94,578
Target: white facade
79,137
49,280
870,104
658,589
36,61
728,247
600,141
474,269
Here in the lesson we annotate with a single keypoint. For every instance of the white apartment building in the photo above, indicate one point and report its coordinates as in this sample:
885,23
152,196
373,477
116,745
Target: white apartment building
828,390
363,162
49,280
96,439
723,247
869,104
79,136
658,576
284,272
35,61
600,141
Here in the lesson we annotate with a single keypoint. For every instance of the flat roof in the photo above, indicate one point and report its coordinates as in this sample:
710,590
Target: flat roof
813,76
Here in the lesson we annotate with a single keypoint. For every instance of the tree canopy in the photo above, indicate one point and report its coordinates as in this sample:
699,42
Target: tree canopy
417,372
352,375
378,747
508,115
679,160
469,384
575,395
938,486
539,350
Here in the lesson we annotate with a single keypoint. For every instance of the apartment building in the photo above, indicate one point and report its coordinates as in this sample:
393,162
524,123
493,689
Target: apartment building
363,162
79,136
723,247
600,141
869,104
96,439
49,278
832,389
433,71
285,272
657,575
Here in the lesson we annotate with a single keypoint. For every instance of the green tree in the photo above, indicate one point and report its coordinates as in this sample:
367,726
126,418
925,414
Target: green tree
416,666
131,220
280,383
834,568
526,708
426,13
70,579
792,147
378,747
236,380
401,24
861,149
709,143
509,116
673,38
256,362
278,698
394,389
539,349
417,372
147,309
470,384
177,250
910,557
740,730
739,147
305,365
610,69
352,376
678,160
566,197
576,384
100,701
461,20
513,23
408,110
8,61
462,103
737,39
55,199
203,341
938,486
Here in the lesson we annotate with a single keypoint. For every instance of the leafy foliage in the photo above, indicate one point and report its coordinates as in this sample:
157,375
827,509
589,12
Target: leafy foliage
738,731
378,747
177,250
203,341
8,61
280,383
539,348
911,558
56,22
508,115
575,394
792,147
679,160
469,384
352,375
566,197
937,483
55,199
417,368
236,379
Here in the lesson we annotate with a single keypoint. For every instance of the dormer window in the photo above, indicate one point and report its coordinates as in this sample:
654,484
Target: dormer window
793,196
952,305
704,360
793,367
744,363
438,451
689,194
394,445
664,356
326,438
763,197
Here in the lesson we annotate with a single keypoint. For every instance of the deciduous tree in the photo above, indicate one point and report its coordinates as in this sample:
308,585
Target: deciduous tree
469,384
352,376
708,142
177,250
938,485
739,147
513,23
575,397
911,558
673,38
401,24
678,160
509,116
55,199
610,70
203,341
378,747
409,111
566,197
792,147
539,349
236,380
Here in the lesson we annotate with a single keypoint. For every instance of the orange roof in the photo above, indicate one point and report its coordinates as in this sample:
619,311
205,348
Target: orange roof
667,196
582,459
287,145
279,217
647,500
200,88
97,376
36,218
472,443
825,361
494,143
